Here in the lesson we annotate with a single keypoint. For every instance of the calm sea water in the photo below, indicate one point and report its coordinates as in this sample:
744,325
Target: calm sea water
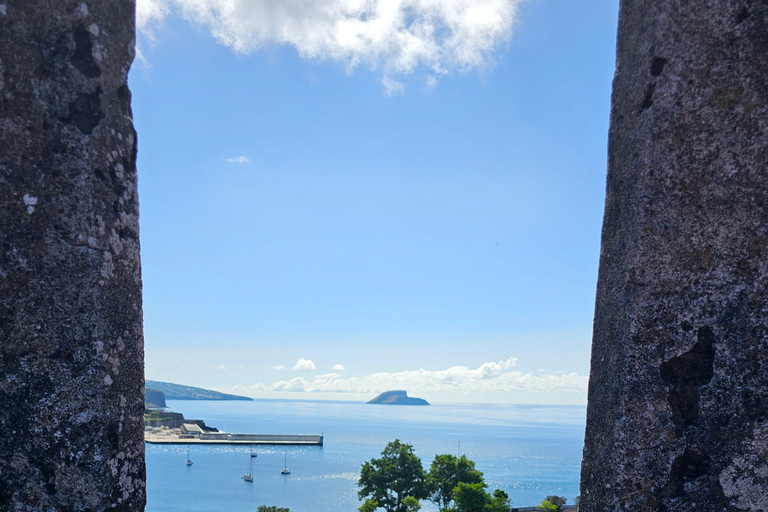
528,451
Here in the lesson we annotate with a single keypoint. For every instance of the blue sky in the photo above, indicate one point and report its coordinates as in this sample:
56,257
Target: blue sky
422,214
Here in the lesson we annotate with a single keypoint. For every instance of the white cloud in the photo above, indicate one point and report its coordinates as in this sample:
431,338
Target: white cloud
392,87
279,367
394,36
338,368
242,159
492,377
304,364
149,14
220,367
140,57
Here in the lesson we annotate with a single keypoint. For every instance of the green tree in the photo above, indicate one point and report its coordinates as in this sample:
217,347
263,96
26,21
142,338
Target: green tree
264,508
470,497
548,506
557,501
411,504
395,476
499,502
369,506
446,473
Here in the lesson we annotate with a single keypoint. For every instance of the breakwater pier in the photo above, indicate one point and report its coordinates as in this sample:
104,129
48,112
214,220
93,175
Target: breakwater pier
160,436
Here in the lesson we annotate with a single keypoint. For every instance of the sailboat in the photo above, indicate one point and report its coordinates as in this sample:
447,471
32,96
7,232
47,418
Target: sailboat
285,470
189,462
248,477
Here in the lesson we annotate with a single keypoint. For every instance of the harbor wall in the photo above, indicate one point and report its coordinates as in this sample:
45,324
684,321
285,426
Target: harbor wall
227,438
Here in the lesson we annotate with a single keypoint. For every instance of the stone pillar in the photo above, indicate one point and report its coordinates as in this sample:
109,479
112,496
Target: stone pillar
678,396
71,344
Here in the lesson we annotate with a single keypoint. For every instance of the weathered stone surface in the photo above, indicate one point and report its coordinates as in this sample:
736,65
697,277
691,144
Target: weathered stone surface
678,396
71,346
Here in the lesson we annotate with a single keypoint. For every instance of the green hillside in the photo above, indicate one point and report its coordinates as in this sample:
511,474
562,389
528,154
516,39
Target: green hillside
179,392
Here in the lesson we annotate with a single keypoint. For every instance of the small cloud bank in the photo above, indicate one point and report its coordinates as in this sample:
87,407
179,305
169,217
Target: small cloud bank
304,364
220,367
279,367
396,37
242,159
493,377
338,368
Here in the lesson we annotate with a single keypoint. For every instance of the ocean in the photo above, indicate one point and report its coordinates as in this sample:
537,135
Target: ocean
529,451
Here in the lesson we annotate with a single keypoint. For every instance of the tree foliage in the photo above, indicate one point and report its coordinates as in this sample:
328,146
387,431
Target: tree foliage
558,501
548,506
552,504
411,504
264,508
474,498
470,497
499,502
393,477
397,481
369,506
448,471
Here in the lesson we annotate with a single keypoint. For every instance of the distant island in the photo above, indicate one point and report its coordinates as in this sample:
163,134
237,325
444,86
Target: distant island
179,392
398,397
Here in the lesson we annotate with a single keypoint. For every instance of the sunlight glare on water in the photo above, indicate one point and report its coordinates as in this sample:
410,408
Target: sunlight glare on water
529,451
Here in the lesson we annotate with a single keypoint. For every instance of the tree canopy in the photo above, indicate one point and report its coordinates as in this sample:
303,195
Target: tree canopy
397,481
548,506
411,504
474,498
448,471
470,497
552,504
369,506
392,478
499,502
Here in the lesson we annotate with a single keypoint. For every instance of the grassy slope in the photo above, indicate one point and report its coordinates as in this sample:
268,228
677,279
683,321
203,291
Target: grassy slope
179,392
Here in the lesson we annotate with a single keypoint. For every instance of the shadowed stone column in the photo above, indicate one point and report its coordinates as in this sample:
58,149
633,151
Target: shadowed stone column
678,395
71,345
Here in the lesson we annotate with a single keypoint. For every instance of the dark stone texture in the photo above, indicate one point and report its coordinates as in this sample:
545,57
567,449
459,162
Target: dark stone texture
678,396
71,345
